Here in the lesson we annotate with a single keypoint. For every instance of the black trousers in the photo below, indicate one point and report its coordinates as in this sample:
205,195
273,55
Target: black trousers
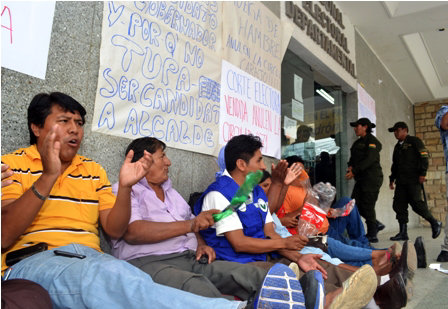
409,194
365,200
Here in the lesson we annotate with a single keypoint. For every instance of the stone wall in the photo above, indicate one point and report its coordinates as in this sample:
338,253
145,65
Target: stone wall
424,115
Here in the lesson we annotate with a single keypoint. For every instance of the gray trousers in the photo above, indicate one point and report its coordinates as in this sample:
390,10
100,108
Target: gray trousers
445,241
182,271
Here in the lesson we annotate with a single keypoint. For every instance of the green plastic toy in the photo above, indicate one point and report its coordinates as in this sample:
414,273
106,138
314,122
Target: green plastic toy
252,179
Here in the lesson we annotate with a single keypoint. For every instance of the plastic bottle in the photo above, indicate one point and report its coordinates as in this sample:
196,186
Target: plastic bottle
240,197
312,216
326,193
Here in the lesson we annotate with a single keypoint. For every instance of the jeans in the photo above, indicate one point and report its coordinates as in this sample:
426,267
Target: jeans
325,256
102,281
355,256
352,223
445,240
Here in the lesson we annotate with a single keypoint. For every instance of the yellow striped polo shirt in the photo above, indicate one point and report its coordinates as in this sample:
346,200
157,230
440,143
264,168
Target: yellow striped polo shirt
71,212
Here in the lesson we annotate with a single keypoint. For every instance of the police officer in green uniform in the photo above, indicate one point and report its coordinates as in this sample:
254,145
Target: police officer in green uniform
408,172
364,166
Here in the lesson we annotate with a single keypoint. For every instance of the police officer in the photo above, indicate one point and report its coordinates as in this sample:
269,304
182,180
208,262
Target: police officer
364,166
408,172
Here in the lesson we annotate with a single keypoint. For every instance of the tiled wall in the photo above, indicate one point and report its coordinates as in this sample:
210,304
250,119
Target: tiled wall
424,115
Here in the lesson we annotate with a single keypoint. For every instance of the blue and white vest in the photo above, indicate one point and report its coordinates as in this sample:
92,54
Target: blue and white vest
252,217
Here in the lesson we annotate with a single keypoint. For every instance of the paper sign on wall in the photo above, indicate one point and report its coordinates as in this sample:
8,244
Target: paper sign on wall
249,106
290,127
26,33
366,106
159,74
252,40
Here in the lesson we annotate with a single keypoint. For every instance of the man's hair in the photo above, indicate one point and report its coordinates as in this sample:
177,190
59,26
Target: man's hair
241,147
40,108
150,144
294,159
266,175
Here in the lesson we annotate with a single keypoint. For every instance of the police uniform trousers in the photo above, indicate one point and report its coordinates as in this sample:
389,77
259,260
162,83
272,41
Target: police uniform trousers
365,200
409,194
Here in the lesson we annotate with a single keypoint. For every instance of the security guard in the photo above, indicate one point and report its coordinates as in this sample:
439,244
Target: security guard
408,172
364,166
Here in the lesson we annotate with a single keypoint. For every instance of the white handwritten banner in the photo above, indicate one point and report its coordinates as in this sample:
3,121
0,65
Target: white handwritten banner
159,73
249,106
26,33
252,40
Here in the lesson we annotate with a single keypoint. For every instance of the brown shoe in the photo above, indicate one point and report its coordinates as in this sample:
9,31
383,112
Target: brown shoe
357,290
392,294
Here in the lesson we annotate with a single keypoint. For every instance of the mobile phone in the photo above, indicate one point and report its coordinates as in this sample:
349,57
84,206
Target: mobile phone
203,259
17,255
69,254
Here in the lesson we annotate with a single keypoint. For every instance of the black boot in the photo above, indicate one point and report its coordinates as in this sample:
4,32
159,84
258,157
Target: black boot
403,234
372,231
379,226
436,227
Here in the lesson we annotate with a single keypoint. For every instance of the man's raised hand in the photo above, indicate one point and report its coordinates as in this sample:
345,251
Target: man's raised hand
279,171
131,173
293,173
49,152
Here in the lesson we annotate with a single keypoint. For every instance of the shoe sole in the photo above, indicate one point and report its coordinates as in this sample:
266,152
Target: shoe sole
396,249
421,252
411,260
281,290
295,268
357,290
313,288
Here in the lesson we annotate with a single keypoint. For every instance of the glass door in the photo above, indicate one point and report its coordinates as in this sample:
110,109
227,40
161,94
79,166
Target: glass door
312,118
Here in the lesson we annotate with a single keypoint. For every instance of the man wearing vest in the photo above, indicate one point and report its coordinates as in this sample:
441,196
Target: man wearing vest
248,235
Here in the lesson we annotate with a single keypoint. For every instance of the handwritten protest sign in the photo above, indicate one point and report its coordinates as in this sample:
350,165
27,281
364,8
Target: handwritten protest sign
249,106
26,33
159,73
252,40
